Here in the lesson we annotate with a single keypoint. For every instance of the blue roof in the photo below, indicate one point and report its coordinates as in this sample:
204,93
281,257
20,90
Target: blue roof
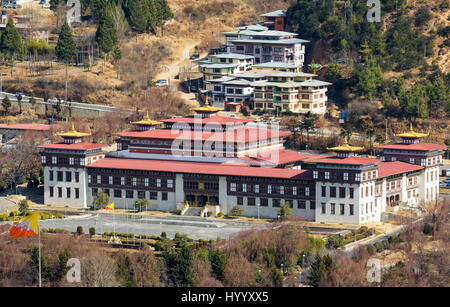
278,13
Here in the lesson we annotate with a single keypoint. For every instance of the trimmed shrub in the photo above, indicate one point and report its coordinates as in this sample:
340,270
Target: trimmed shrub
379,246
334,241
371,249
92,231
427,229
79,230
220,214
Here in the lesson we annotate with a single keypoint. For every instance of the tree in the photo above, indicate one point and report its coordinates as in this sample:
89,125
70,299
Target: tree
33,264
66,48
6,104
137,14
412,102
236,211
10,41
369,79
100,201
23,207
318,268
314,67
106,35
163,13
218,261
369,129
438,95
62,267
284,211
178,265
309,123
141,204
19,100
333,72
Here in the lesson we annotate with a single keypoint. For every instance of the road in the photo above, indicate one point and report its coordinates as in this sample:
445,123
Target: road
194,227
93,107
170,71
5,204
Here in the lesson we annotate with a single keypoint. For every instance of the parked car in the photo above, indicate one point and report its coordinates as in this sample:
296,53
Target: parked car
42,2
17,6
195,56
46,6
161,83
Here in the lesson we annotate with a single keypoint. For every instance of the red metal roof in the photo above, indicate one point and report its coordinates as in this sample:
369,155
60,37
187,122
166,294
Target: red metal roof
76,146
218,120
349,160
244,135
199,168
397,167
416,146
31,127
277,156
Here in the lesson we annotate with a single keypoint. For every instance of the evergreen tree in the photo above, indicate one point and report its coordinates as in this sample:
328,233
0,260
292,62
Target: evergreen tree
6,104
106,35
412,102
218,261
164,13
10,41
137,14
62,268
179,265
438,94
33,263
66,48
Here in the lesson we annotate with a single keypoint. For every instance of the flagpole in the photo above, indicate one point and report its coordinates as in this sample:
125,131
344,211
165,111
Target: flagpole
40,269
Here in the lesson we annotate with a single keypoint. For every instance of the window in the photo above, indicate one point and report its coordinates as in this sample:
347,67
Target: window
54,160
358,177
264,202
324,208
170,183
134,181
60,176
82,161
327,175
251,201
312,205
164,196
77,193
294,190
233,187
89,178
77,177
51,176
130,194
240,201
301,204
351,207
94,191
71,161
345,176
153,195
68,176
342,209
141,194
244,187
324,191
307,191
43,159
238,91
281,189
122,180
99,179
276,203
256,188
118,193
51,191
59,192
341,192
333,209
332,191
269,189
67,192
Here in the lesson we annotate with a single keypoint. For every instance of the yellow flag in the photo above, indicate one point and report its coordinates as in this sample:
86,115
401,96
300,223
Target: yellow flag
109,207
27,226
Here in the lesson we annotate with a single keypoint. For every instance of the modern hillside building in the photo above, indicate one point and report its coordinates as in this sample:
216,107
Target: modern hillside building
275,20
217,162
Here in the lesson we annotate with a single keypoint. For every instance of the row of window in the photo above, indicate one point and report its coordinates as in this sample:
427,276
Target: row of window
332,209
60,176
131,194
276,202
134,181
70,160
268,189
69,194
337,192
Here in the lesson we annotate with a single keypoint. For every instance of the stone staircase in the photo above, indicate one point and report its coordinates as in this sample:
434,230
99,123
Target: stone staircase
193,211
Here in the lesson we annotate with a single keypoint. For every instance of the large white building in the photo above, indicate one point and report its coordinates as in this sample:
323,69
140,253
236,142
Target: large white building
220,162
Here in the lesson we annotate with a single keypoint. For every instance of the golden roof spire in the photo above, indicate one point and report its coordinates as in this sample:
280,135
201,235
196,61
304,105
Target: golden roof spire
346,147
207,108
146,122
411,134
72,133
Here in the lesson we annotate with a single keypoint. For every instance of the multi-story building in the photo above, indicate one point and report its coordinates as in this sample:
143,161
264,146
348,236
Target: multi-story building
223,65
296,92
10,132
267,45
275,20
207,159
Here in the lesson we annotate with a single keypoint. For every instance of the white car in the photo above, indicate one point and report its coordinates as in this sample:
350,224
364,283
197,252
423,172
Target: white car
161,83
46,6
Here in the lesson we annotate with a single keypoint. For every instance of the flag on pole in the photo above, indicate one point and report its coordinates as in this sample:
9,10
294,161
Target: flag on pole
110,206
27,226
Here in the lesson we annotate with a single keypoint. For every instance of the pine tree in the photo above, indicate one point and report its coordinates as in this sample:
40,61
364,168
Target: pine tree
106,35
66,48
164,13
218,261
11,42
6,104
33,263
137,14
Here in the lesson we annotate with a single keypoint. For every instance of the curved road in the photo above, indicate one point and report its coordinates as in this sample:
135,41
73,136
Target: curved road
5,205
